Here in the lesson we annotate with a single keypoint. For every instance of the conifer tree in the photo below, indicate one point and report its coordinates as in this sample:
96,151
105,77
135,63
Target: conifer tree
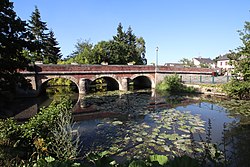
14,38
52,50
126,47
38,28
132,55
118,48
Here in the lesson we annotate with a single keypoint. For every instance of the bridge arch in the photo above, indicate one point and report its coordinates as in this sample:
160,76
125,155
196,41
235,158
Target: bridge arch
45,80
143,81
112,83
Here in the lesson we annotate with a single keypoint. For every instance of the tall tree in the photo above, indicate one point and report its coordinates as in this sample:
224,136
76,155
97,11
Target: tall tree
101,52
83,53
14,38
38,28
126,47
132,54
118,50
241,58
52,50
141,49
187,62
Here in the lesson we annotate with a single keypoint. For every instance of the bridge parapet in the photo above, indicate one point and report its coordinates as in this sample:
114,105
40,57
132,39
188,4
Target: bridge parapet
120,68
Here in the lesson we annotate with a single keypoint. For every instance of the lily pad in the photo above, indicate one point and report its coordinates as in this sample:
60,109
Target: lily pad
139,139
117,123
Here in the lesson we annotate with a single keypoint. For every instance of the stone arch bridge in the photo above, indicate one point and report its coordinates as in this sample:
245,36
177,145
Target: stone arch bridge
118,76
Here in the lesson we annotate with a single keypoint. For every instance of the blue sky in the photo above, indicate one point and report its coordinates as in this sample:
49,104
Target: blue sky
180,28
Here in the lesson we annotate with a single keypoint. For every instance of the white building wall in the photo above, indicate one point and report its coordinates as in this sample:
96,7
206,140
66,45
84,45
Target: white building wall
224,64
196,62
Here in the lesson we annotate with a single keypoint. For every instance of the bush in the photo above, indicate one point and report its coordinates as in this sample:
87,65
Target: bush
238,89
173,84
49,133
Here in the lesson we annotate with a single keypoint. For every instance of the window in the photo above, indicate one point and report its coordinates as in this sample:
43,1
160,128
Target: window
220,63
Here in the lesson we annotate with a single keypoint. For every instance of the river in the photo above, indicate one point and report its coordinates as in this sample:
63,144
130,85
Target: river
141,123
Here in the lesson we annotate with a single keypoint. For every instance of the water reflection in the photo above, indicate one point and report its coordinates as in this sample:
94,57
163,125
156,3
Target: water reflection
119,121
145,122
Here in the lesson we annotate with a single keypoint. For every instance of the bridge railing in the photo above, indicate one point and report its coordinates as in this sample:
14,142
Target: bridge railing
198,79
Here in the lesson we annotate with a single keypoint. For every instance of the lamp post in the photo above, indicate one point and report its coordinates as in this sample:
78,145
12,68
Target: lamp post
157,48
156,64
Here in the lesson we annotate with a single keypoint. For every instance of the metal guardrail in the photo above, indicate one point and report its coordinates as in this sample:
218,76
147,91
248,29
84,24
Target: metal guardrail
205,79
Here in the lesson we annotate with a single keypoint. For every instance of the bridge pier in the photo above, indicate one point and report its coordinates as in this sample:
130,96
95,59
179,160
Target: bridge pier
124,84
82,86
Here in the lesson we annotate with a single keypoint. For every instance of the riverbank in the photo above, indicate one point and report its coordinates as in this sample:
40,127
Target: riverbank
208,89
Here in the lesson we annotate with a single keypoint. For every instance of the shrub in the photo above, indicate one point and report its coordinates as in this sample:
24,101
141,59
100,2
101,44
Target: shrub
238,89
49,133
173,84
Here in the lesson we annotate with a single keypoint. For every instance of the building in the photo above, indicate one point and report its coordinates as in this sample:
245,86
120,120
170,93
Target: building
204,62
223,63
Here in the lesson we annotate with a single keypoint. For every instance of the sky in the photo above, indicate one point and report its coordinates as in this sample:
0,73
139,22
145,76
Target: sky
179,28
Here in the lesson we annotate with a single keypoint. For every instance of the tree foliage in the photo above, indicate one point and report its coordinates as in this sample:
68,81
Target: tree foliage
239,87
38,28
47,49
14,38
172,84
51,51
82,55
125,47
48,134
187,62
241,58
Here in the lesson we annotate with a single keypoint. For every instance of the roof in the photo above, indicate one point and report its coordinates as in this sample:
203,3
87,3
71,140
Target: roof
224,57
205,60
173,64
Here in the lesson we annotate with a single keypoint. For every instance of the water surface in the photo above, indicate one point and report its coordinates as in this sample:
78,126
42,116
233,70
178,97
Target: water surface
138,124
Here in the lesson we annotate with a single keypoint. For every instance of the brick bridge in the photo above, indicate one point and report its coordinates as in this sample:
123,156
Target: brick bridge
117,77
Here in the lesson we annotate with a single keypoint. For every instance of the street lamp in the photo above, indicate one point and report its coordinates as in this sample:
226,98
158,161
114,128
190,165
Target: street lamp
156,63
157,48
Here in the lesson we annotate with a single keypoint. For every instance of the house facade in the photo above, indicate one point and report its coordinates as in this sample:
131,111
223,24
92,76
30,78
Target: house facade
204,62
223,63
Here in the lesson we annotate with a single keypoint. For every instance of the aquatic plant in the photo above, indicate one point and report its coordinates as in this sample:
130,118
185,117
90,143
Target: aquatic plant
170,134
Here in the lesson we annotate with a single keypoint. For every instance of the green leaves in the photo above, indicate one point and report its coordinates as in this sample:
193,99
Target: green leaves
238,89
45,133
184,161
13,40
138,163
172,84
124,48
161,159
52,50
168,133
241,58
